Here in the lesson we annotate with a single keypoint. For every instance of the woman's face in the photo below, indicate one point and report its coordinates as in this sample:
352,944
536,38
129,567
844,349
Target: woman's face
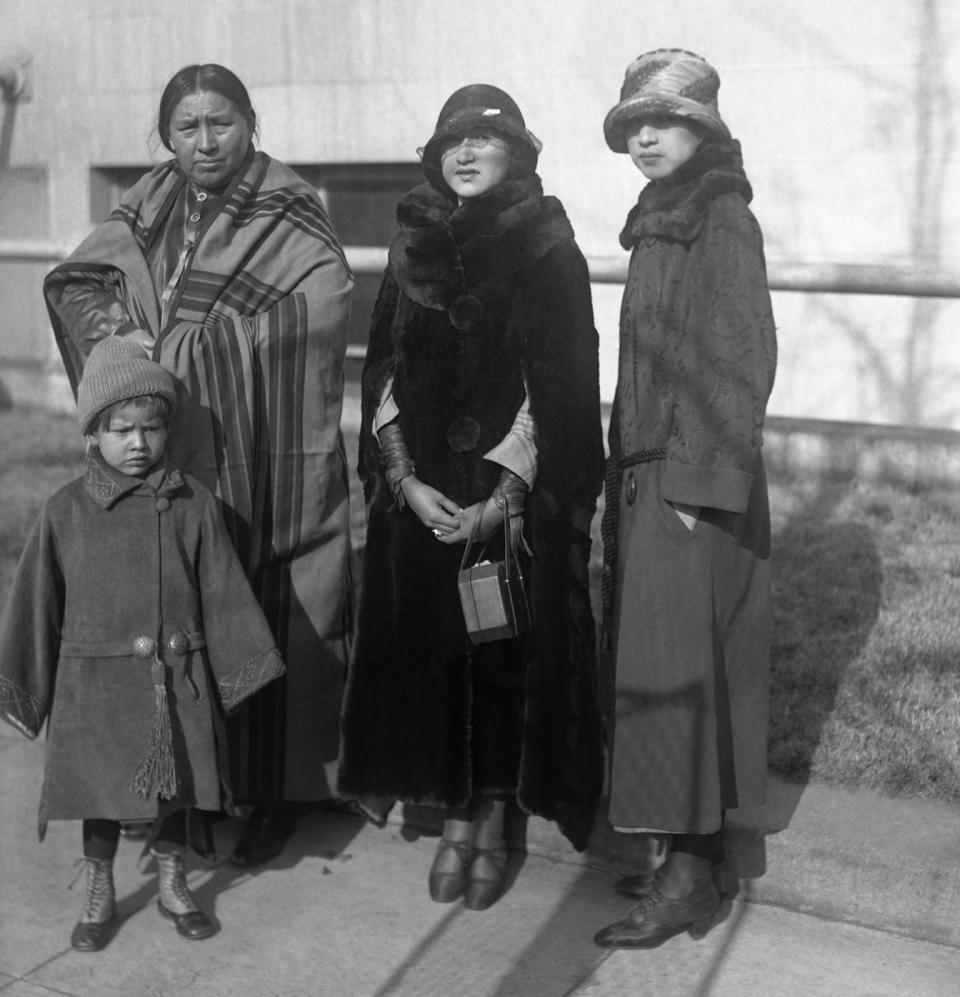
475,162
659,144
210,137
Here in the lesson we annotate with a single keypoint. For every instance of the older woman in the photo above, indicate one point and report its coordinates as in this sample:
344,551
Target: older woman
480,397
223,264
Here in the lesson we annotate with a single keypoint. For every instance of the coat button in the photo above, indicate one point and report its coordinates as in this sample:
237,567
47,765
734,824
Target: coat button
631,489
144,647
178,642
463,434
465,312
163,503
194,217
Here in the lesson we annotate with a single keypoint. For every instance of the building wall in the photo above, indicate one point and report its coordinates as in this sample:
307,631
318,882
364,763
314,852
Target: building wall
847,114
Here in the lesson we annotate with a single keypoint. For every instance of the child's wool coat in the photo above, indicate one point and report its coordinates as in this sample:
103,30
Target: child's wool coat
117,573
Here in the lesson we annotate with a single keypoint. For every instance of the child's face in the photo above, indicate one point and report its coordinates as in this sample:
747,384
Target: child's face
475,163
660,144
133,441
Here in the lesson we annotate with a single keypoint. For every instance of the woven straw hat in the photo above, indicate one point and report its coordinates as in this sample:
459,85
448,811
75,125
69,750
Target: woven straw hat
669,81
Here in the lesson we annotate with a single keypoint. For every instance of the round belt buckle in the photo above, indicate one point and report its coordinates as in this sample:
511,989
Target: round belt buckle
144,647
178,642
631,489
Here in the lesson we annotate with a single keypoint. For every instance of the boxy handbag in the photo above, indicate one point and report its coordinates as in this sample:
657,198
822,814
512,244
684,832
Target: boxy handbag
491,592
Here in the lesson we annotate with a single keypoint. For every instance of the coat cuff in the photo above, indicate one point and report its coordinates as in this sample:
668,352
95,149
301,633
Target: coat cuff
713,487
249,678
20,709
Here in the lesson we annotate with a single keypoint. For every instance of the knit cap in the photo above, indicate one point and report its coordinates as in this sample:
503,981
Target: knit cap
118,369
669,81
480,105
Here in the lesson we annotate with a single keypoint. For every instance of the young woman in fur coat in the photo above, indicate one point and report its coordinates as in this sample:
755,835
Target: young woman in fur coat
686,525
480,390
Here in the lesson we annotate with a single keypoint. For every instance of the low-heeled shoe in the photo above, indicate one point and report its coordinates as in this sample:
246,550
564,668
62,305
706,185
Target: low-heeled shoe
658,917
637,886
447,886
194,925
484,891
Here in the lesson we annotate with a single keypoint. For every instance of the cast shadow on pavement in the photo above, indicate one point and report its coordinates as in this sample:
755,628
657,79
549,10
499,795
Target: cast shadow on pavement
323,834
827,578
563,958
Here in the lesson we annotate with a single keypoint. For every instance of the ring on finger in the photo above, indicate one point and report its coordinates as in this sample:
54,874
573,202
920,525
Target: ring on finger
438,533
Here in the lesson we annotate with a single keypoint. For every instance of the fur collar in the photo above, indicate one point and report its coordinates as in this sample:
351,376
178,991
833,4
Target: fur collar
674,206
444,250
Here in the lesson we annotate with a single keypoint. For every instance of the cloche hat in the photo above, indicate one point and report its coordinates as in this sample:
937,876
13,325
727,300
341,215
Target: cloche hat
667,81
480,105
118,369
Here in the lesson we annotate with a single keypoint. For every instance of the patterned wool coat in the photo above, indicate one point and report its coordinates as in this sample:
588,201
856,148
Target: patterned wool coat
690,613
119,573
254,328
480,303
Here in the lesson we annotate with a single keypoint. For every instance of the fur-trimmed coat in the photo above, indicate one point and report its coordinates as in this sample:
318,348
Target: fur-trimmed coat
117,574
481,304
690,609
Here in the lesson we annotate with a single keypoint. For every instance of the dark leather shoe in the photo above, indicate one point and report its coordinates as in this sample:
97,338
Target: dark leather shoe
91,936
194,925
447,885
658,917
641,884
263,837
487,878
637,886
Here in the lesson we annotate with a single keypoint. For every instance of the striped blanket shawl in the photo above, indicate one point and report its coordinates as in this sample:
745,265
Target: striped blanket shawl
256,335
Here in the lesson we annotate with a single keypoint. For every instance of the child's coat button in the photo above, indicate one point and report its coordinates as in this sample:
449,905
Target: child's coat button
163,503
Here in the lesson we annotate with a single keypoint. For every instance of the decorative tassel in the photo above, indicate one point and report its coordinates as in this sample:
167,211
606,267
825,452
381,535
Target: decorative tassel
157,776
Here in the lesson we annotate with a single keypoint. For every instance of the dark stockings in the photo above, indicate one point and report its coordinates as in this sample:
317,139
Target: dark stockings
100,836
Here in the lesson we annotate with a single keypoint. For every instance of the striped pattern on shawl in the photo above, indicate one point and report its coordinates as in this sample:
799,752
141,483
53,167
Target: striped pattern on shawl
256,334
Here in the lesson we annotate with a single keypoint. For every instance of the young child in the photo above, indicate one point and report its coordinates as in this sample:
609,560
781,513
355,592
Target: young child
686,526
130,628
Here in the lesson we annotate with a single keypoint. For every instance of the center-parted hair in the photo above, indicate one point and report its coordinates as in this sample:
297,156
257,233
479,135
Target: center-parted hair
193,79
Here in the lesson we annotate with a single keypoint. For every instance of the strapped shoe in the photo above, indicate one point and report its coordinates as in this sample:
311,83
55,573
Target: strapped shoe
446,884
487,878
93,930
658,917
175,901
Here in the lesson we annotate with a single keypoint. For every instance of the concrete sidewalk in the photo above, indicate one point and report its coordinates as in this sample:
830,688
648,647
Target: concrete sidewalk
345,911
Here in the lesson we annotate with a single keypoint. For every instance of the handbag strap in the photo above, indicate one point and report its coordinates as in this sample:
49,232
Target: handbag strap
508,552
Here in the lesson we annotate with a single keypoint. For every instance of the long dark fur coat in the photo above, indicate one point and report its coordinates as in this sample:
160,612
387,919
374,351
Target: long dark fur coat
480,303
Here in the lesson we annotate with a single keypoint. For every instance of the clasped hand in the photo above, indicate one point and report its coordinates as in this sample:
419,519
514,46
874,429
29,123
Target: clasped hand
449,523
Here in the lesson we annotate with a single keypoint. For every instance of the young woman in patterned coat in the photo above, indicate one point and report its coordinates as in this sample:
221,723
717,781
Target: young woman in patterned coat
687,528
